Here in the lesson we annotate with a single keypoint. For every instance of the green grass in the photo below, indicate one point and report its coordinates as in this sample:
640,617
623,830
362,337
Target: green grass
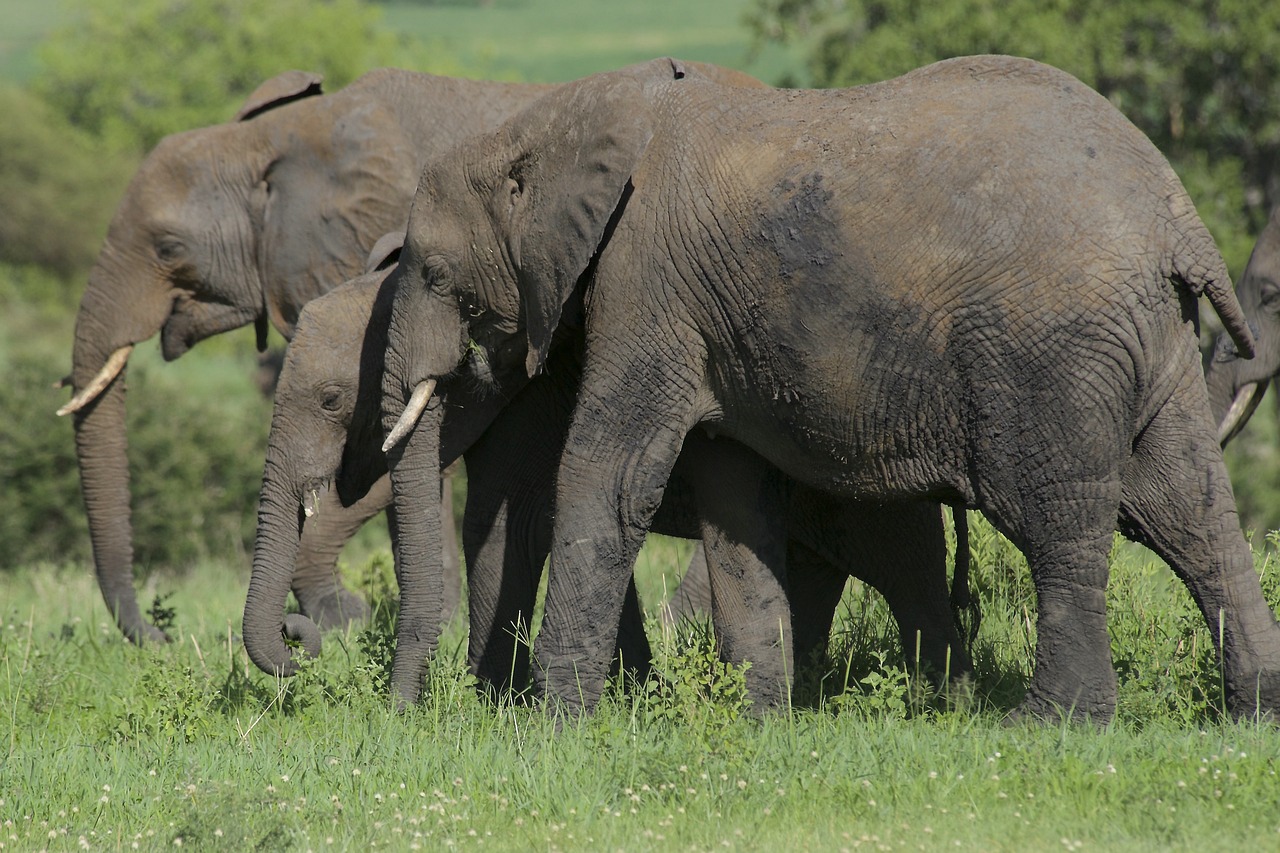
108,745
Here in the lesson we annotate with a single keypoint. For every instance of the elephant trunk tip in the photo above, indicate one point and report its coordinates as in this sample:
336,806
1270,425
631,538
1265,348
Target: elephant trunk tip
301,630
277,657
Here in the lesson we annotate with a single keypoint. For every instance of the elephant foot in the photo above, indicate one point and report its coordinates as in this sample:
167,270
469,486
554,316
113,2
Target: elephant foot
339,608
1255,699
1037,709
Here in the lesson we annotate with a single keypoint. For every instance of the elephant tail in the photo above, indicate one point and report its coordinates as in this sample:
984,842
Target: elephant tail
965,609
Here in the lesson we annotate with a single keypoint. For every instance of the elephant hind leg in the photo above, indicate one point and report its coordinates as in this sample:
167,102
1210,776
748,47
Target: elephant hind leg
1178,501
1063,521
900,551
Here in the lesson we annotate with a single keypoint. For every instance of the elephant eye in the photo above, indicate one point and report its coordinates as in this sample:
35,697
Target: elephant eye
436,272
170,249
331,400
1270,295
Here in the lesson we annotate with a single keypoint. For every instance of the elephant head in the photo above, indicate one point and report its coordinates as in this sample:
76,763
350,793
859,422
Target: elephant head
1236,384
499,234
221,227
326,432
497,241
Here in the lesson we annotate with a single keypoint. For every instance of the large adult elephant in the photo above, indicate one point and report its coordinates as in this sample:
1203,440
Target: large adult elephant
974,283
1236,384
326,431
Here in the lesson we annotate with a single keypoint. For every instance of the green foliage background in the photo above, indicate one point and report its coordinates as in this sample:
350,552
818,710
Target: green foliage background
1201,78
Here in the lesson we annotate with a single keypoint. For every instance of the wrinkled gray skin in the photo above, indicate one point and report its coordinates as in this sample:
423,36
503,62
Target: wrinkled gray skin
245,223
1236,384
975,283
326,428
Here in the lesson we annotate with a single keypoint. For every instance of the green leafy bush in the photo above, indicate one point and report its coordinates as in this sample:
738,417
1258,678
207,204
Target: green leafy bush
59,189
195,459
132,74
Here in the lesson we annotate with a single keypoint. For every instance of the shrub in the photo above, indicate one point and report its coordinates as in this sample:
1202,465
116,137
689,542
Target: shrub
59,189
195,459
132,74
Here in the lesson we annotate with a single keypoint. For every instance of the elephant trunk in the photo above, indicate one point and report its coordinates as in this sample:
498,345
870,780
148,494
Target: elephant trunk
109,322
101,452
275,550
415,489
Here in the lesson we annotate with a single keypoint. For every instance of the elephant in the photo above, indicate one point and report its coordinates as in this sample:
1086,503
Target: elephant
245,223
1236,384
326,432
975,283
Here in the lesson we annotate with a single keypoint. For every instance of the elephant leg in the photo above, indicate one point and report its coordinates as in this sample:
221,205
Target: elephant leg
899,550
1165,506
814,587
505,550
635,655
742,501
316,583
616,463
693,595
1065,532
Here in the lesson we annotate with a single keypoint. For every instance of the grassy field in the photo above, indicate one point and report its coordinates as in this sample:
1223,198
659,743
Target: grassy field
553,40
536,40
113,747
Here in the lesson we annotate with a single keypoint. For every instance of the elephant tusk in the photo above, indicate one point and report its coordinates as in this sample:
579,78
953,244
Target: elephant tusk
1247,399
95,387
412,412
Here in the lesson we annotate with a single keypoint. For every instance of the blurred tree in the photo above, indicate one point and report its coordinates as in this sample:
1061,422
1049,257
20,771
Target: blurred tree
1200,77
133,73
59,189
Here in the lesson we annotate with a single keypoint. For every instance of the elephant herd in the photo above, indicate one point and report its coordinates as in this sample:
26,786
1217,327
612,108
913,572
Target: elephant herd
788,324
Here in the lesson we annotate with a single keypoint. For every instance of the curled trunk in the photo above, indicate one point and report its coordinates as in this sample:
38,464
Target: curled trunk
275,549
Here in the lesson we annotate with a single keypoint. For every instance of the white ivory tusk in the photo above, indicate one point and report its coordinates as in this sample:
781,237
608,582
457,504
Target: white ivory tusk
1247,399
96,386
412,412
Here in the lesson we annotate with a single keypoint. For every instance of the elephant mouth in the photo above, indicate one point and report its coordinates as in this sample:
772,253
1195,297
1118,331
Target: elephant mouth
191,320
313,494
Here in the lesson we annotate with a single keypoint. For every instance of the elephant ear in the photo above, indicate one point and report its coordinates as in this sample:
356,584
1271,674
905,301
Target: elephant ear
344,178
278,91
574,155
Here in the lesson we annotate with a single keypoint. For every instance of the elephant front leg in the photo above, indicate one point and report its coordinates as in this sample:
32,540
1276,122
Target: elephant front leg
610,484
